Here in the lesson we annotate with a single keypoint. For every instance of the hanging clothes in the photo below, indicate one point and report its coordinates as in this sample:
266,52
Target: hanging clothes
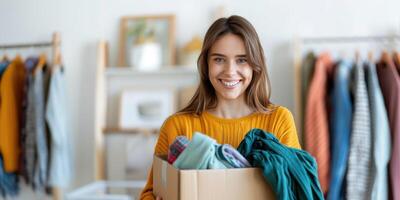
396,61
359,169
3,66
389,81
28,138
11,88
56,117
35,143
291,172
8,182
36,97
316,133
307,70
380,135
340,124
46,86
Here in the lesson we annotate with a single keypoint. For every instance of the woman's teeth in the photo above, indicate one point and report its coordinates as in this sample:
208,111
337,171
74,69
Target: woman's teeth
230,83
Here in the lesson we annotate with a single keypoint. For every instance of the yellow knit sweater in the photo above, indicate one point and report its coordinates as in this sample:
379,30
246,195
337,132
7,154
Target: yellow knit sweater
226,131
11,91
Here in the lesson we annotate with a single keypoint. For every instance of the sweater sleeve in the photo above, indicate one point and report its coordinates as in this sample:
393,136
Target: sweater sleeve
287,129
167,131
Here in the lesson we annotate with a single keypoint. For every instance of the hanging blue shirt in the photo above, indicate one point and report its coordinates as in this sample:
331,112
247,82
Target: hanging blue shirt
341,119
8,182
380,135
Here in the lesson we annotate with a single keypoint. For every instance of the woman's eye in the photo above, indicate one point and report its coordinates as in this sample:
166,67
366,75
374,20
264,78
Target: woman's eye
218,60
242,60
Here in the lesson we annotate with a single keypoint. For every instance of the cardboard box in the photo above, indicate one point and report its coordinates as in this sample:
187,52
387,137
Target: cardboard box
220,184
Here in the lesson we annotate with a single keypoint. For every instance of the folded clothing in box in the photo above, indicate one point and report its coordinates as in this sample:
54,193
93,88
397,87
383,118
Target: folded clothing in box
204,152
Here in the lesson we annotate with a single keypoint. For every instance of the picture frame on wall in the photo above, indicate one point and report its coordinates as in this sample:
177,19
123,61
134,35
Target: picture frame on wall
145,108
147,42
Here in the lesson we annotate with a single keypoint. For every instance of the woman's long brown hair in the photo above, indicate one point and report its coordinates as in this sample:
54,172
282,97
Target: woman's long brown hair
259,90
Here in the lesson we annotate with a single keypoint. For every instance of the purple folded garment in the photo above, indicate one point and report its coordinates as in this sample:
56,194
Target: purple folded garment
231,157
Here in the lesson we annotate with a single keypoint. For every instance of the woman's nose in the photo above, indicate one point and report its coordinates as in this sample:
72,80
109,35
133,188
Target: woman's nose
231,67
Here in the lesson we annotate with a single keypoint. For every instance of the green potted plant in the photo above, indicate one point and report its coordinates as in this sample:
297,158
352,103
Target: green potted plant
145,51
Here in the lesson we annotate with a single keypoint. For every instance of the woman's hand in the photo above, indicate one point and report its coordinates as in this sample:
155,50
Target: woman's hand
158,198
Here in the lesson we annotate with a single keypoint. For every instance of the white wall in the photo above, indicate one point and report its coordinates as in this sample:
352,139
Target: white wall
83,23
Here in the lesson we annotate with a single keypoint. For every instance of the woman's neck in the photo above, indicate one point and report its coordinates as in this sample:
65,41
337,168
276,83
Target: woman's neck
231,109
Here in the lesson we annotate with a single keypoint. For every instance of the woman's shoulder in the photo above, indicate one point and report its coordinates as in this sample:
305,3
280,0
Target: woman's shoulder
178,124
181,116
277,119
178,119
277,111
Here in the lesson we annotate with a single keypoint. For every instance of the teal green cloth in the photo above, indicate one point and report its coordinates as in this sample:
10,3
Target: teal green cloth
199,154
291,172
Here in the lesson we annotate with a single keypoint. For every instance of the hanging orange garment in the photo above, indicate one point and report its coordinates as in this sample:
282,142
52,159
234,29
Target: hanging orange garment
316,135
11,91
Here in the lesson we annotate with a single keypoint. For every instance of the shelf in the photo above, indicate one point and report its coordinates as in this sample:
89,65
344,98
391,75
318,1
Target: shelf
110,130
166,71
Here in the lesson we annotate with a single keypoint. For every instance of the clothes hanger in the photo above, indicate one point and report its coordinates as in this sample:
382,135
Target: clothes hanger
396,58
385,57
397,54
370,56
41,63
5,56
357,56
18,57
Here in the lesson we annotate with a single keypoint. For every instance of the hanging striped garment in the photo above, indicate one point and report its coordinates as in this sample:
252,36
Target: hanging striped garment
359,167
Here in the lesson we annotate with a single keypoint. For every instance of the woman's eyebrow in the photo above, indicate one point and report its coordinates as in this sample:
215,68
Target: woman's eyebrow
241,56
217,54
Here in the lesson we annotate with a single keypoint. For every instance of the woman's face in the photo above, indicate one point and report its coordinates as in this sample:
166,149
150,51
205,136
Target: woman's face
229,72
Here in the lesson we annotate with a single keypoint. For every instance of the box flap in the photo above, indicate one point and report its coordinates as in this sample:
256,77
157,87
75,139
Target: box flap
165,179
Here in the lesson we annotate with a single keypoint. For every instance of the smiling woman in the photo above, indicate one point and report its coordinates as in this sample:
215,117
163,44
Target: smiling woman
233,95
229,72
231,47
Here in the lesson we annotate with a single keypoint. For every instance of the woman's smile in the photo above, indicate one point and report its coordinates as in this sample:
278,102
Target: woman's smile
230,84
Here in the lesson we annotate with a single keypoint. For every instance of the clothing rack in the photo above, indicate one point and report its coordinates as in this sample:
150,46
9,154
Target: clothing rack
316,40
27,45
298,50
55,45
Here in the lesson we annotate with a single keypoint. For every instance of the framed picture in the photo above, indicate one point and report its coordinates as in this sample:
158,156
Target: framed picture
147,42
145,108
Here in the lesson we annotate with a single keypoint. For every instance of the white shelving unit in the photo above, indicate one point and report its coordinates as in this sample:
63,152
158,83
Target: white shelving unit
111,80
